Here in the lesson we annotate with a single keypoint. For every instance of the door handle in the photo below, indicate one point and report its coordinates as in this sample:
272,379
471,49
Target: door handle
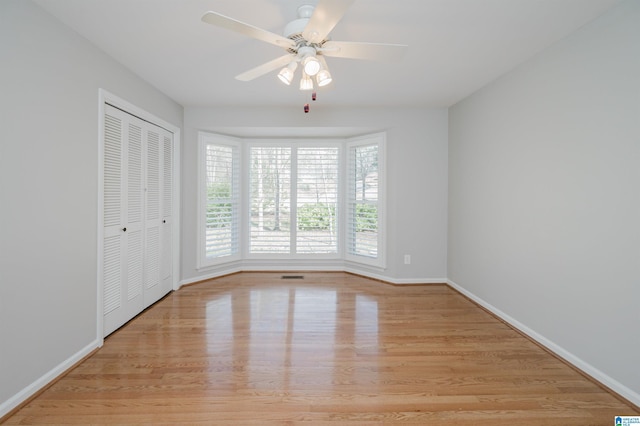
124,229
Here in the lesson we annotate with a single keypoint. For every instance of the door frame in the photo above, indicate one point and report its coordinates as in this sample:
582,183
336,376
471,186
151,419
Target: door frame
105,97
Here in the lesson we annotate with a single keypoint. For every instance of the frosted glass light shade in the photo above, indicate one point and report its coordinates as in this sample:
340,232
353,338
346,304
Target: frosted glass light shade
323,78
311,65
306,83
286,75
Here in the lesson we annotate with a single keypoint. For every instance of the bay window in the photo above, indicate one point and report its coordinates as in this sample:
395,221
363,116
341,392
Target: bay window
302,199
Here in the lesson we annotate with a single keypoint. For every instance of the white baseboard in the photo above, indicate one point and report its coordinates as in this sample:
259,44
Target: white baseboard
45,379
417,281
397,281
209,276
580,364
313,267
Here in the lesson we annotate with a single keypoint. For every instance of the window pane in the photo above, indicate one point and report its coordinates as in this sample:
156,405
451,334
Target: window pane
222,201
363,201
317,195
365,235
366,172
270,200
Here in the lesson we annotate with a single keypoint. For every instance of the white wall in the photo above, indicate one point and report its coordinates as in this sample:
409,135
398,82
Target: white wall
544,197
49,81
416,175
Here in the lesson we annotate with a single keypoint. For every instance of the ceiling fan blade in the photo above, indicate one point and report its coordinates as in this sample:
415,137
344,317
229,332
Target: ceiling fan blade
265,68
222,21
325,16
323,62
369,51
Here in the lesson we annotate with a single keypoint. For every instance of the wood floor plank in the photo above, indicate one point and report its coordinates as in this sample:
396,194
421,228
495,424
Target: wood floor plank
330,349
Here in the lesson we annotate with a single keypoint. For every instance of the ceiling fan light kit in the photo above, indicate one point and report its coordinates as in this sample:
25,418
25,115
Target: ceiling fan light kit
286,74
305,82
323,78
310,63
306,40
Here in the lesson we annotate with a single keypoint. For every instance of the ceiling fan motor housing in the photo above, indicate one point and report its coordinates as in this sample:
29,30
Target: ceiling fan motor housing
293,30
296,26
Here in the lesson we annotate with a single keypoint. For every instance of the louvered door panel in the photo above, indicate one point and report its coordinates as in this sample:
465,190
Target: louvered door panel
153,290
134,265
135,218
167,202
114,241
112,170
153,176
152,259
134,175
112,274
167,187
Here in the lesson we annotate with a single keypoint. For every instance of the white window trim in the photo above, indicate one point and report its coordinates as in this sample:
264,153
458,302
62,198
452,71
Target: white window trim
204,139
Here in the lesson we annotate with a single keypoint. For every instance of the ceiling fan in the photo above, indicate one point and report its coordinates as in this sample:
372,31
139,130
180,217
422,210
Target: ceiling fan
307,42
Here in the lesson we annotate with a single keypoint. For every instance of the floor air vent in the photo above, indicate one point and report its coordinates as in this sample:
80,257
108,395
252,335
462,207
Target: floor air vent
293,277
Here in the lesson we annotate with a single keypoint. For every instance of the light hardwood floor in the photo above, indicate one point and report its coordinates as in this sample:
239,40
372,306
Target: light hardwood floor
332,348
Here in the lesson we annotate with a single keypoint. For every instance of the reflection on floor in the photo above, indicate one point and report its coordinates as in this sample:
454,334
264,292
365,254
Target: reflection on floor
253,348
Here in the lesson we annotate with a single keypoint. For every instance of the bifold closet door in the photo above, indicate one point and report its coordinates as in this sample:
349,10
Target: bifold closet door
134,184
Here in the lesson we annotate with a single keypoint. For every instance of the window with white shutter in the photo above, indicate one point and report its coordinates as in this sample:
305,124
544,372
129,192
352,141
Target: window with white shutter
270,199
317,200
294,190
220,193
365,175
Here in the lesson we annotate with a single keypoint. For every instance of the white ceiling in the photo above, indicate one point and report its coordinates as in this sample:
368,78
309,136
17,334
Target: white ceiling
455,46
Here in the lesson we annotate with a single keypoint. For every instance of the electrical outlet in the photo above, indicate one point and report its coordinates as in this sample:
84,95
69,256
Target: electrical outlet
407,259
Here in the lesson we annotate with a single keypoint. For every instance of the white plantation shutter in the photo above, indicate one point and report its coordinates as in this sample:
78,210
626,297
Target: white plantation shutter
270,181
364,224
317,200
222,197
